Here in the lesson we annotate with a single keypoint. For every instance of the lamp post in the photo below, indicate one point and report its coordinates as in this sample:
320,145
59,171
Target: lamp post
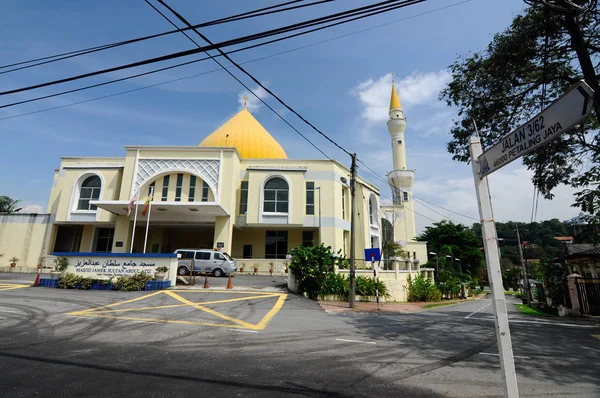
451,258
437,277
459,266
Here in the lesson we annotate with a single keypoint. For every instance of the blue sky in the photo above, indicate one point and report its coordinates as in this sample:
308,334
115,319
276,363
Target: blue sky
342,86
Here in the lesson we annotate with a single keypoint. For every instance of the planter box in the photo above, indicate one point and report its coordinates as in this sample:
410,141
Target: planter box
102,286
49,282
157,285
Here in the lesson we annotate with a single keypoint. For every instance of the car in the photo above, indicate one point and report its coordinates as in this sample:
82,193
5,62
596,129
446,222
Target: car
205,260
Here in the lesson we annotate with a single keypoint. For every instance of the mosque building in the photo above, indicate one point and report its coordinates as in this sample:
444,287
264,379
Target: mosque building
236,191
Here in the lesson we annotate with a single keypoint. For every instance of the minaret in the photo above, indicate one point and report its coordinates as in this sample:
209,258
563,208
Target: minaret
400,179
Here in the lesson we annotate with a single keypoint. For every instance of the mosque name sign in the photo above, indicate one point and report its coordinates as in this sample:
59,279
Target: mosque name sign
564,113
112,266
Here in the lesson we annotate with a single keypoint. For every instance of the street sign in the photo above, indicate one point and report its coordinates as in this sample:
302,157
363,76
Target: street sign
372,254
564,113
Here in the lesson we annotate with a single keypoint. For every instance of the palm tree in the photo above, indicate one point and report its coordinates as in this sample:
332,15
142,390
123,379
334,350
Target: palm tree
8,205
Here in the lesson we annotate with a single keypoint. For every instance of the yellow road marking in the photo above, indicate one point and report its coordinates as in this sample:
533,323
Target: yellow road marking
157,320
263,323
208,310
597,336
106,310
182,305
12,286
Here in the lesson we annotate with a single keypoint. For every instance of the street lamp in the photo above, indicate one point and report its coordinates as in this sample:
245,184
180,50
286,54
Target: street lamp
459,265
436,267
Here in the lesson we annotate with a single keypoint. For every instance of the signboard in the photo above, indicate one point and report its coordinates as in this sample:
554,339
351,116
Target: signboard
109,265
220,245
564,113
372,254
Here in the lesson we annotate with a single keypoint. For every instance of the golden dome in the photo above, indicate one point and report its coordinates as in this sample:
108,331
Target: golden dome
250,138
395,101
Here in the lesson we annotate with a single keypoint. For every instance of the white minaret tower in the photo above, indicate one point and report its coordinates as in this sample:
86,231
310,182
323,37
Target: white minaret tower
400,179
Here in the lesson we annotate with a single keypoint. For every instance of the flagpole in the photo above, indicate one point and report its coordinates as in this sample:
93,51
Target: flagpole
148,219
137,200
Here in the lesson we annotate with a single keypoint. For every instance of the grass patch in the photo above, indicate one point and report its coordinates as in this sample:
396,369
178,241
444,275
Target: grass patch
440,304
512,293
527,310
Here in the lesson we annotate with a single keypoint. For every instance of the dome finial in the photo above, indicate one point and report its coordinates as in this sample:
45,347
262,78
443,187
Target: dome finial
245,100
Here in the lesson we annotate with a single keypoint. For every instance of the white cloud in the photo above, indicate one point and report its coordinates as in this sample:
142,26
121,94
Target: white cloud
32,209
511,190
253,104
415,89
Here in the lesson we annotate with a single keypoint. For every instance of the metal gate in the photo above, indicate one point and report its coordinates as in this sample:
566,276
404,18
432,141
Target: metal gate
588,291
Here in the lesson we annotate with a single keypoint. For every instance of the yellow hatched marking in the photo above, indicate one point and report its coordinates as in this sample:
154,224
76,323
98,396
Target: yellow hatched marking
596,336
105,311
181,305
12,286
208,310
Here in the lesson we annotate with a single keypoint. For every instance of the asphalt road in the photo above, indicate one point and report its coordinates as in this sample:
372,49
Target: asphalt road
206,343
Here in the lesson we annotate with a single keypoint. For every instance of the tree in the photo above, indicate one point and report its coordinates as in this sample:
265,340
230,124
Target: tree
522,70
8,205
457,240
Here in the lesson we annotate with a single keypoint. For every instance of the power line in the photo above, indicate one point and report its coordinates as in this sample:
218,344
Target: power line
373,172
362,12
233,18
173,66
235,77
242,63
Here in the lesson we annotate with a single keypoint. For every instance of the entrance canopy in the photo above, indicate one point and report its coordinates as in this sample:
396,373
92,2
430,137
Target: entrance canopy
192,212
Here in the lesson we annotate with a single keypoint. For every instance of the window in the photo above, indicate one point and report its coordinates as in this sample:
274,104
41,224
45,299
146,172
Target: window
374,242
178,187
276,244
192,193
345,242
202,255
90,190
405,196
186,255
343,203
165,188
104,240
151,188
399,142
219,256
307,238
310,198
372,211
205,189
276,196
247,251
244,204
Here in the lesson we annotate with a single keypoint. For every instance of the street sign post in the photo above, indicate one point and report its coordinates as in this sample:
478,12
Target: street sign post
564,113
561,115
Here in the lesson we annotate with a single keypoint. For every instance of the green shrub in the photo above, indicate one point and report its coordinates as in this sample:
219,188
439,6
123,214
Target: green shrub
69,281
336,284
162,269
133,282
61,263
421,289
311,265
365,286
86,283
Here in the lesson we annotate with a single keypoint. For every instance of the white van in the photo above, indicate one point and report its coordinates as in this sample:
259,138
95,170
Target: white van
205,260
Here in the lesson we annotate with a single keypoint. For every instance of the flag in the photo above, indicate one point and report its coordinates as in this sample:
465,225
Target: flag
130,205
147,205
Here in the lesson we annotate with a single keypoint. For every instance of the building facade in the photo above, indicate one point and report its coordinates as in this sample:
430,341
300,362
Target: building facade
236,191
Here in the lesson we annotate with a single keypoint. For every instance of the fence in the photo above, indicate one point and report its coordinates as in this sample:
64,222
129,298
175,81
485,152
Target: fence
588,292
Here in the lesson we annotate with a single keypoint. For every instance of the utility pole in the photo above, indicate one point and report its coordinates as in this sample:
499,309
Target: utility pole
525,278
352,227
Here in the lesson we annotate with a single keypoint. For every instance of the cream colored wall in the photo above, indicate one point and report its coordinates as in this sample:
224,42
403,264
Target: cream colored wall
23,236
87,238
62,196
257,238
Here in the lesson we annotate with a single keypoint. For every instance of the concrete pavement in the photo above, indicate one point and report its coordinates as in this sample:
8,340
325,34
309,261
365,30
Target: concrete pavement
46,350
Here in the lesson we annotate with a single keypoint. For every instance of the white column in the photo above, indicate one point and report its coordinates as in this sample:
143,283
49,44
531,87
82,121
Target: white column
592,265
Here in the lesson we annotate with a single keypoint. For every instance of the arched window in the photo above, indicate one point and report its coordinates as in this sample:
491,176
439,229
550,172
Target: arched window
373,211
90,190
276,198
